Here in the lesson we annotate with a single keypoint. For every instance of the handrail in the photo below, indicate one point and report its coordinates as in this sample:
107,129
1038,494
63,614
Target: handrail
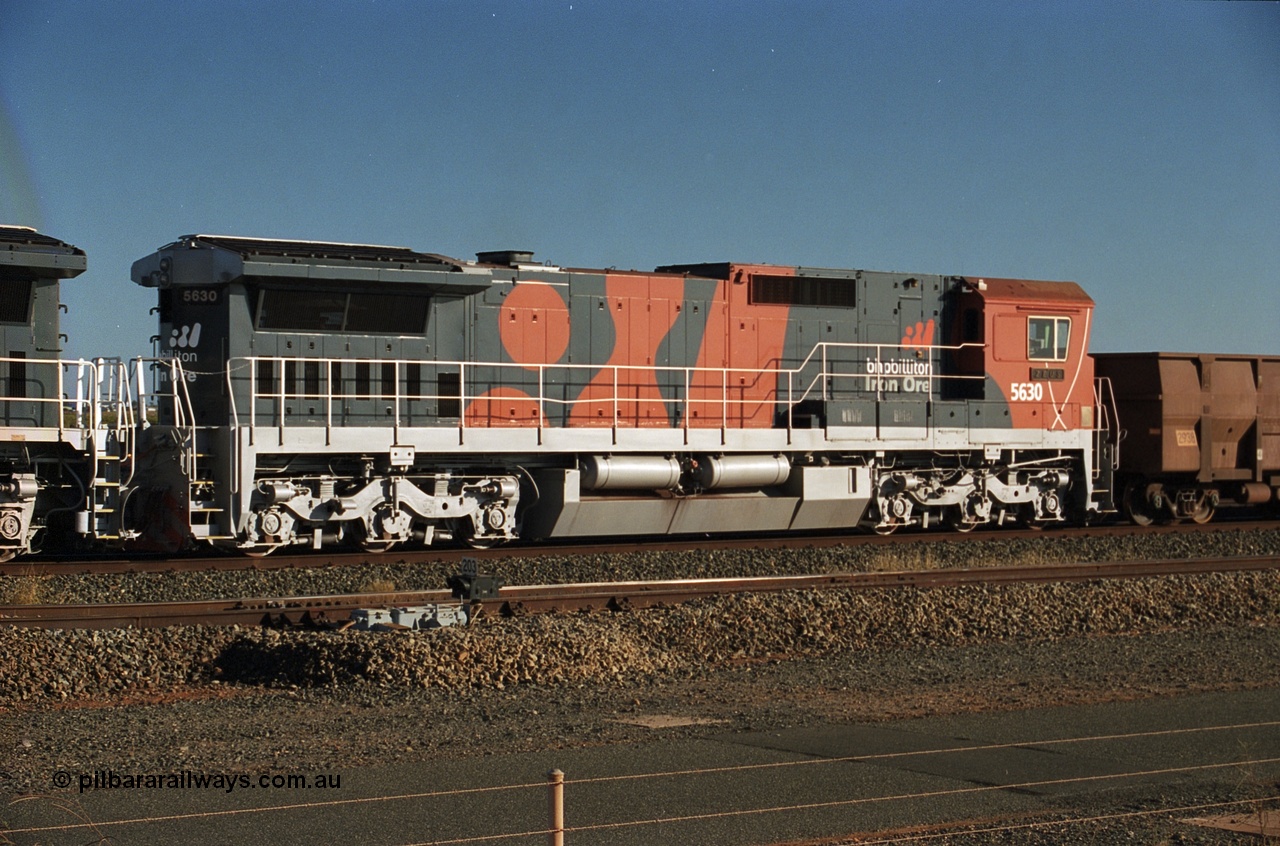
1108,417
84,408
702,386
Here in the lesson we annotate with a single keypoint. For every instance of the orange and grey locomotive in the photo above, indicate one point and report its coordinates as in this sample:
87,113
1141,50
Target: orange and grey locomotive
319,393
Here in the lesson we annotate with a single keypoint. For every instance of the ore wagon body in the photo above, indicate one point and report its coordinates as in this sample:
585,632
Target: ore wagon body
1199,431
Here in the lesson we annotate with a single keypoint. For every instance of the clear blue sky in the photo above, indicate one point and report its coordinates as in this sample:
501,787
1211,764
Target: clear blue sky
1132,147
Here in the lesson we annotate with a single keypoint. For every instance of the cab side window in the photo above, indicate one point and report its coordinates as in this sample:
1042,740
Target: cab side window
1048,338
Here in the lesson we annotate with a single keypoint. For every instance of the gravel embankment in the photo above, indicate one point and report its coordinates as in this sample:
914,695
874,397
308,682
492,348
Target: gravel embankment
679,642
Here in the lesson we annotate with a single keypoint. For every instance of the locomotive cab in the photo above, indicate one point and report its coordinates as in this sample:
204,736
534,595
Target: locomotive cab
31,268
317,333
1037,361
287,373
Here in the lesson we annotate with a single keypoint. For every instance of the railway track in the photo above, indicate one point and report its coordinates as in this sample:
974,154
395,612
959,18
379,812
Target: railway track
335,610
83,565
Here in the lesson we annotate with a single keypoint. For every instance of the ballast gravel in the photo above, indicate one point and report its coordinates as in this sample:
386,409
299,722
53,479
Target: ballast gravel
385,573
571,649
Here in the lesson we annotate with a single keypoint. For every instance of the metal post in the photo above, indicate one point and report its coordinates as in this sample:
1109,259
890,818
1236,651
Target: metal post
328,403
396,378
462,402
687,406
555,796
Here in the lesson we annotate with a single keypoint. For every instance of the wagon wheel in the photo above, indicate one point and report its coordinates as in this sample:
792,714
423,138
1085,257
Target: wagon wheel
1204,512
1135,505
259,552
7,555
885,529
485,542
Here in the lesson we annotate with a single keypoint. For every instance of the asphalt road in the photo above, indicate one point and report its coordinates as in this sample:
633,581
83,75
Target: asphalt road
752,788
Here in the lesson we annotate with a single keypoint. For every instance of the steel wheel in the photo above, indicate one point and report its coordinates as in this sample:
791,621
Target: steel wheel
1135,505
1204,512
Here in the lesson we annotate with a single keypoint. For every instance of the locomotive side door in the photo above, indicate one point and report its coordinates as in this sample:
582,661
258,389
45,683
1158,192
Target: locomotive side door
898,367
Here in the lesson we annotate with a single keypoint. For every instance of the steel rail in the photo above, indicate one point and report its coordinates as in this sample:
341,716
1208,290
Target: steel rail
309,560
327,611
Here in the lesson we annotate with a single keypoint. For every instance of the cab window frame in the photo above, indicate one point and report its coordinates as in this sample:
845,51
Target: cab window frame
334,311
1048,337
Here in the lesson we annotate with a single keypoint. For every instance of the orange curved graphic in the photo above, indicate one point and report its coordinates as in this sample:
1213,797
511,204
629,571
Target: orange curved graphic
643,310
533,324
746,338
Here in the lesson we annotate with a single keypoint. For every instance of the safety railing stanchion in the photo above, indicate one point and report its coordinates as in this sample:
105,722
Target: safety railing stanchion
395,377
687,406
462,403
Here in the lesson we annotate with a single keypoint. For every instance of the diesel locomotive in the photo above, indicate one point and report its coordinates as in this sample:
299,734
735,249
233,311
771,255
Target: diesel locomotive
319,394
61,420
333,393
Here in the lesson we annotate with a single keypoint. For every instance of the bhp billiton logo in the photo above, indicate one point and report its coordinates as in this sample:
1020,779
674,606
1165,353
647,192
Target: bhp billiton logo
916,337
188,336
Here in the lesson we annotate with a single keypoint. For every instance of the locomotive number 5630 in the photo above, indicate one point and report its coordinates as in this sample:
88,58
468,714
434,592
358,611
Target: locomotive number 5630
1027,391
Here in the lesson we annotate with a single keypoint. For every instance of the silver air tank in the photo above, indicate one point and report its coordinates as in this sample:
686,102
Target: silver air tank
630,472
741,471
